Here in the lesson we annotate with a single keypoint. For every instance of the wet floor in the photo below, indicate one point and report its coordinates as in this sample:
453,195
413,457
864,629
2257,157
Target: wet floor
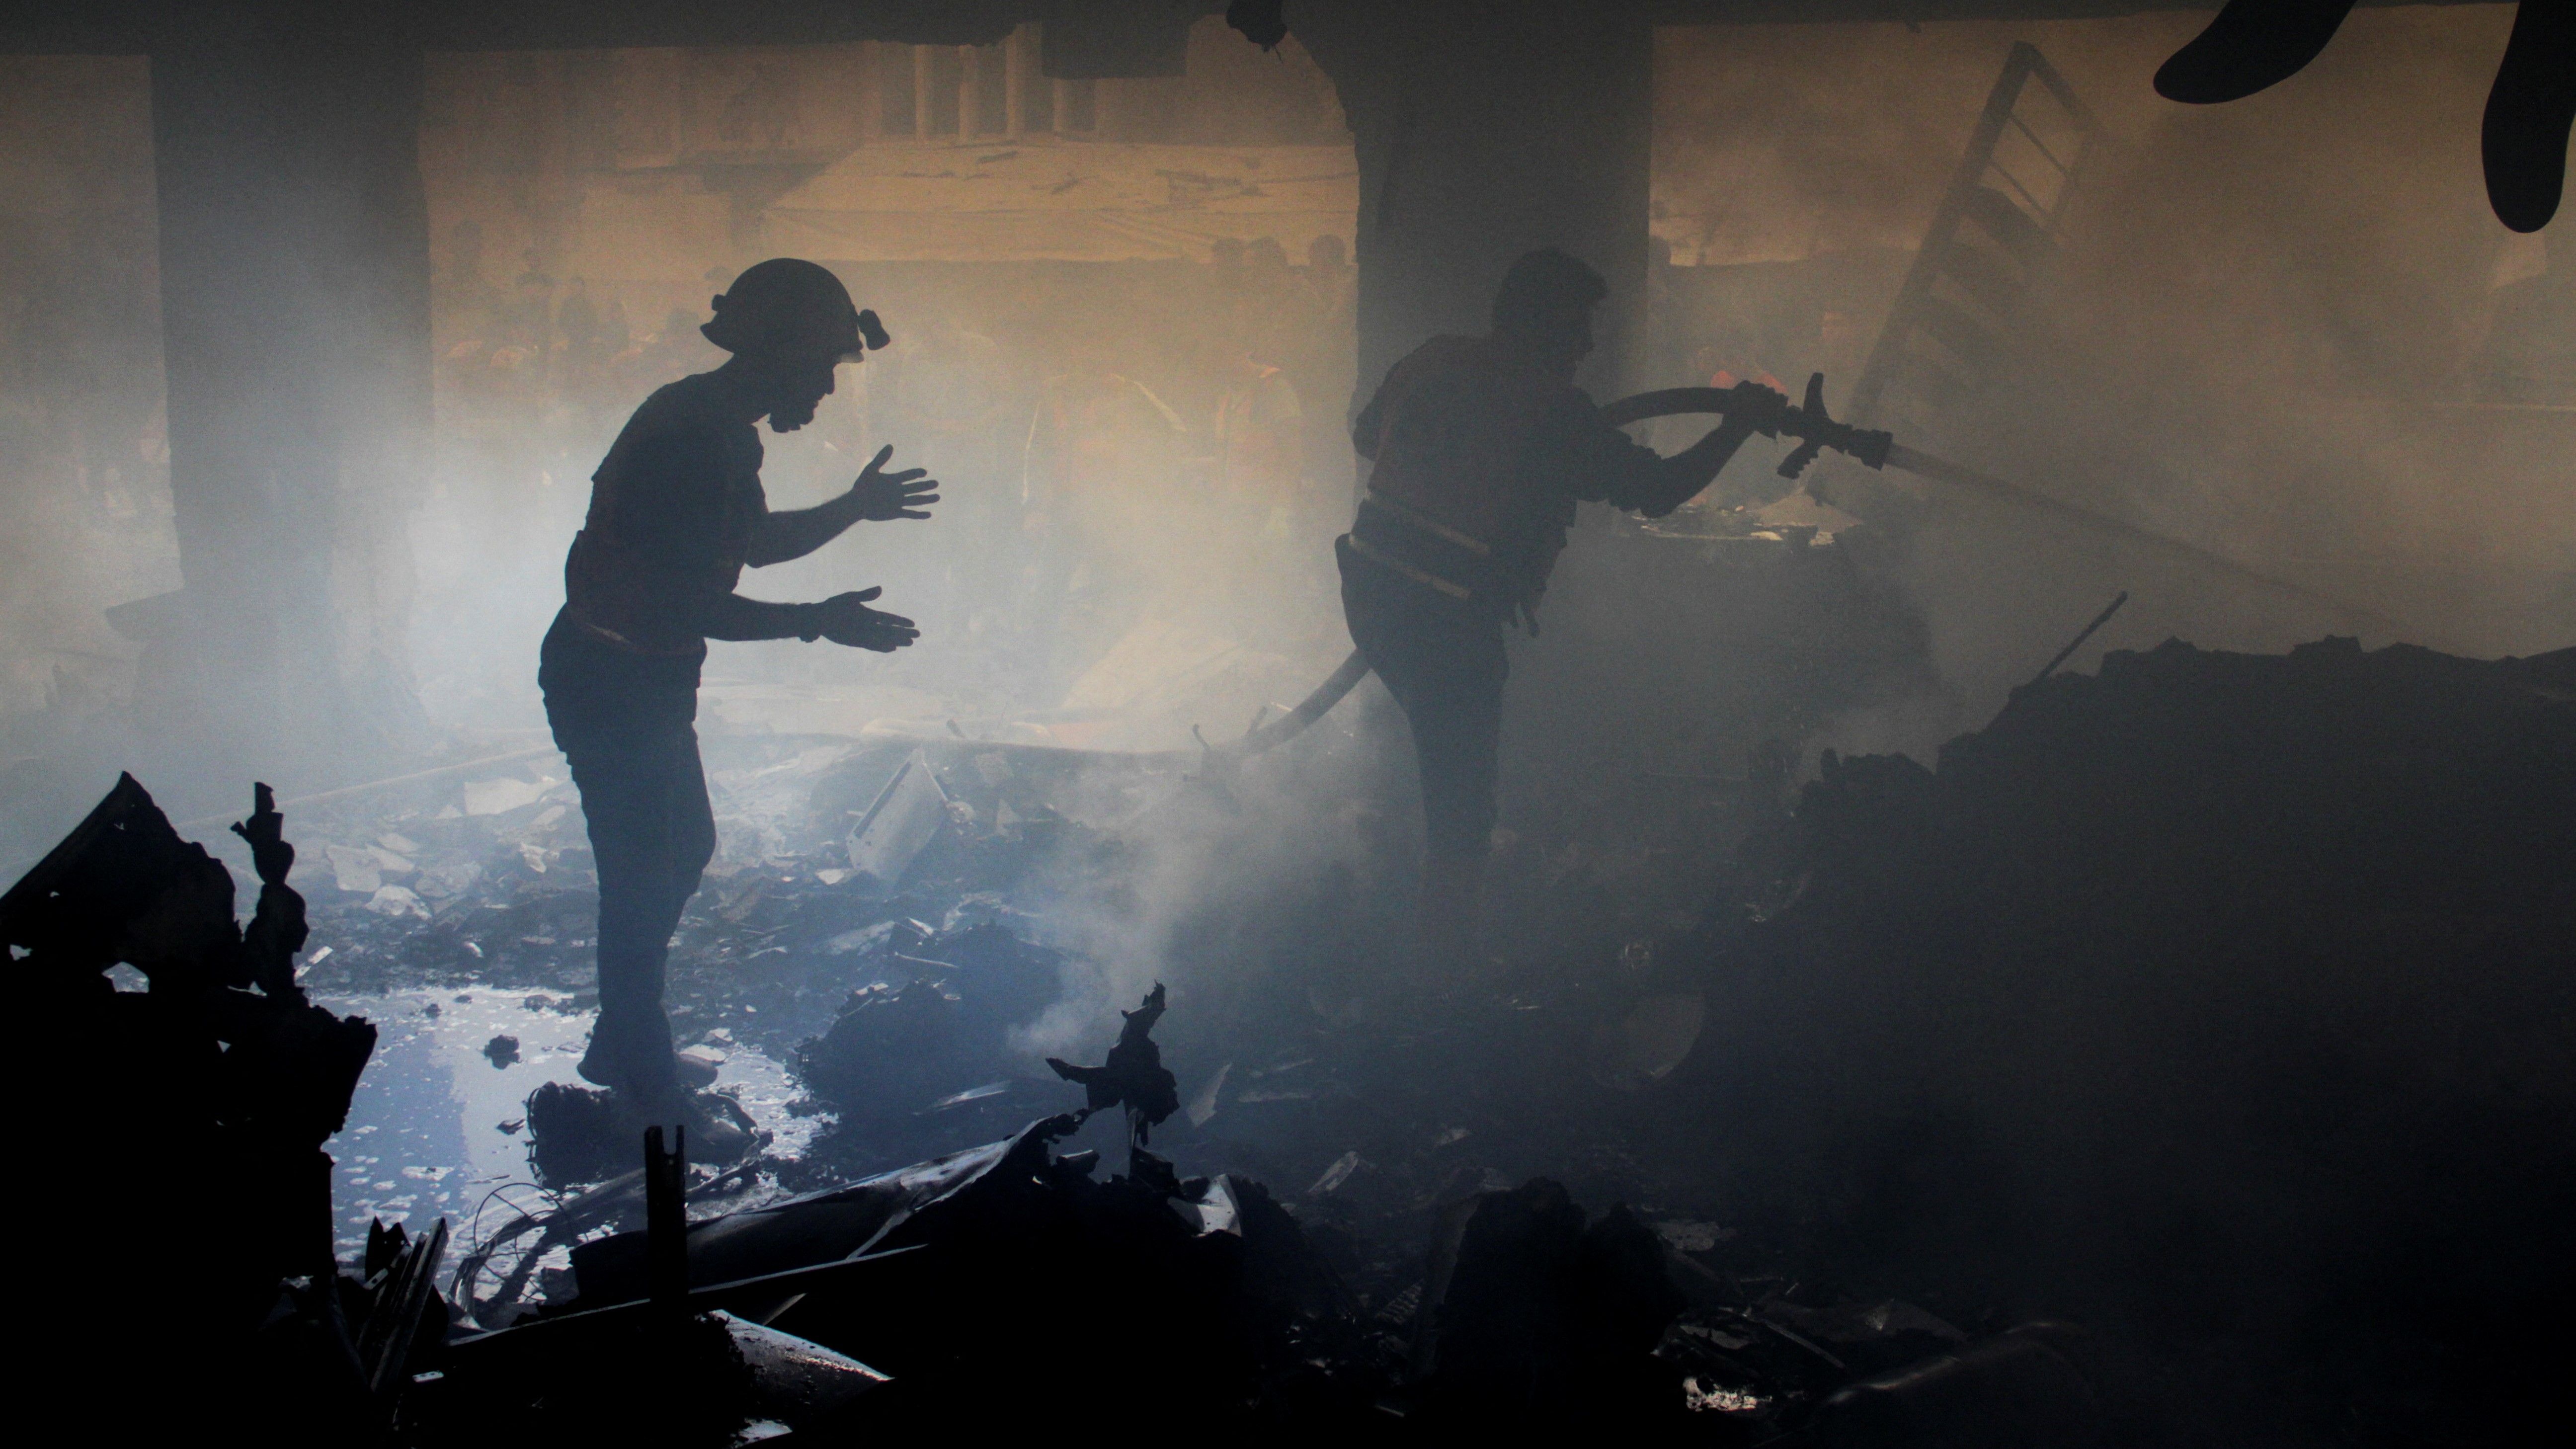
438,1127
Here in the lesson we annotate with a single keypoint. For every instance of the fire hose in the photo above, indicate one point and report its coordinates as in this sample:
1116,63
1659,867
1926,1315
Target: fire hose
1815,431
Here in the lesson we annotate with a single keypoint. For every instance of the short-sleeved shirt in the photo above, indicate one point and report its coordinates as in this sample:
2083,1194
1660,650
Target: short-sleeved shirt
673,509
1481,455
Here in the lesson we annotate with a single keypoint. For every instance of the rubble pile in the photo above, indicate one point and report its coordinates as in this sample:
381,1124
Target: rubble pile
894,1296
1386,1120
2221,999
481,881
889,1063
2214,1001
884,1301
193,1185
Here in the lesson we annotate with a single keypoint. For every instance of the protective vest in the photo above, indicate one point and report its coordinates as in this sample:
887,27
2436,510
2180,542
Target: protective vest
1460,499
673,509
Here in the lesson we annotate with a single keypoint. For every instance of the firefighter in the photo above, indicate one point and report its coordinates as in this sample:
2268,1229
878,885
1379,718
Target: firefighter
1480,449
676,513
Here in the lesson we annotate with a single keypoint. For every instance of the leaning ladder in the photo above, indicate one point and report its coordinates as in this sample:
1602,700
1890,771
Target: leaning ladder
1945,333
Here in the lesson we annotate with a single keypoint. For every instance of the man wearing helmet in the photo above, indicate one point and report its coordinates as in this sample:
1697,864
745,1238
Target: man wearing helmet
1480,448
676,514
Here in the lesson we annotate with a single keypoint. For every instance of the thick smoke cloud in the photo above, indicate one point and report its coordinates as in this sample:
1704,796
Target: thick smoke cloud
2286,331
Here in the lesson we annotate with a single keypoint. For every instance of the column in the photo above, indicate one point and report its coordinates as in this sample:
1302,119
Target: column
925,109
1484,131
1015,84
294,253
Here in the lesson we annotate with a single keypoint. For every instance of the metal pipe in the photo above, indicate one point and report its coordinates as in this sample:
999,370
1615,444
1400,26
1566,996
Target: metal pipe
2077,642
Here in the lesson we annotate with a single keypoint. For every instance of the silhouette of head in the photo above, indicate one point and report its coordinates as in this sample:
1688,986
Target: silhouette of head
1545,303
788,323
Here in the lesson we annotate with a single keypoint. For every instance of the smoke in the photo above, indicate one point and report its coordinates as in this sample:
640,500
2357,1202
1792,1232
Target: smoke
2268,340
85,517
2286,331
2289,333
2279,339
1269,890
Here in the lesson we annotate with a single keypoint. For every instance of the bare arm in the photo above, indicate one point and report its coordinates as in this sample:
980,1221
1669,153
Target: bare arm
1674,481
731,616
876,496
843,619
1636,478
795,533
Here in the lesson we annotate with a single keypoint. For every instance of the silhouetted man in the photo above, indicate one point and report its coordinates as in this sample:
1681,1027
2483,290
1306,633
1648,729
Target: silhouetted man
676,512
1481,448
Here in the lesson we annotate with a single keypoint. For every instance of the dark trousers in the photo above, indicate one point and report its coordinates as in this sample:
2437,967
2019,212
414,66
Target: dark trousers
633,748
1444,663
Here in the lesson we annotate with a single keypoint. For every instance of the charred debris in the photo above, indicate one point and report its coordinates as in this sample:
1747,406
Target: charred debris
2214,1002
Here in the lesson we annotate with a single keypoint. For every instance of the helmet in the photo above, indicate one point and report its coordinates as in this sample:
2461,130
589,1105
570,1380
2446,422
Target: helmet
786,302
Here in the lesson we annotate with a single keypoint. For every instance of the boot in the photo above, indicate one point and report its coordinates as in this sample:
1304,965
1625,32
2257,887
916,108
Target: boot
630,1051
616,1036
599,1065
719,1130
630,1054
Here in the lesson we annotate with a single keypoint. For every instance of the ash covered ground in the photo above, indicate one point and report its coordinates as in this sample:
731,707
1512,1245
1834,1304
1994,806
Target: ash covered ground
2214,1003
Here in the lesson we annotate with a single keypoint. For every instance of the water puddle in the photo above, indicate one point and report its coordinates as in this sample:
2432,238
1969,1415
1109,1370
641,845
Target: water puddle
438,1126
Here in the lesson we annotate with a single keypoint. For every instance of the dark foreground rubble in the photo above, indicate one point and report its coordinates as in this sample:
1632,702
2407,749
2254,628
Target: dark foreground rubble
222,1078
1010,1263
2219,999
2215,1002
900,1300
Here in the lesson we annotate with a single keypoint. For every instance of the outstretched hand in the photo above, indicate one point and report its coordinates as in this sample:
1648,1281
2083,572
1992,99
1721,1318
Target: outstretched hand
904,494
270,854
847,619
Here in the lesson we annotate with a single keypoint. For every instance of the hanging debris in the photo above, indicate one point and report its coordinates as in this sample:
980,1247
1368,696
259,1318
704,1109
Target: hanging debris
1134,1074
